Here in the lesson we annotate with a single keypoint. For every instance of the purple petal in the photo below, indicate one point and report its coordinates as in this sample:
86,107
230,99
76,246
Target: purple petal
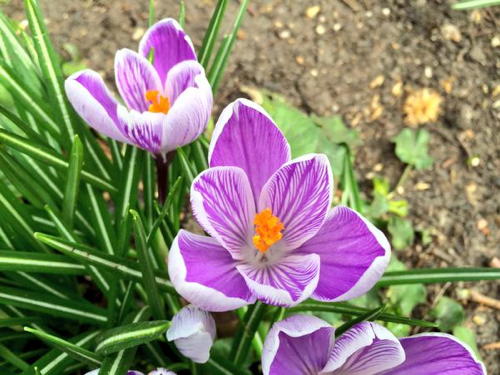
246,137
93,102
181,77
205,274
134,77
297,345
437,354
366,348
223,205
193,333
132,372
354,255
288,282
144,130
189,114
170,45
162,371
299,194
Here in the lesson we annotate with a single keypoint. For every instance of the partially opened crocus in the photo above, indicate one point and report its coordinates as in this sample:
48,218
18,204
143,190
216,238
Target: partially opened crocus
167,101
273,234
193,333
131,372
306,345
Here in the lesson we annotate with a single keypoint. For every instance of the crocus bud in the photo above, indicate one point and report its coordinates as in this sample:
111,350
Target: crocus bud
193,333
162,371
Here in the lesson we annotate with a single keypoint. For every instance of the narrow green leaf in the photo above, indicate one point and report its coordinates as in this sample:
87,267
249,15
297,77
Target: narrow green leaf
152,13
473,4
12,322
21,125
220,63
368,316
12,358
50,63
342,308
212,32
74,351
243,338
186,168
350,184
127,269
130,335
155,299
73,181
54,306
39,262
182,13
438,275
44,155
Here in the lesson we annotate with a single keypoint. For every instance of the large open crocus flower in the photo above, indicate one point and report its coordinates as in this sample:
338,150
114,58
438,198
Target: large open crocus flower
273,234
168,102
304,344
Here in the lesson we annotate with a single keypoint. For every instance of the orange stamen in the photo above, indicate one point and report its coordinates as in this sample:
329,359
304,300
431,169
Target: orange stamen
159,103
267,230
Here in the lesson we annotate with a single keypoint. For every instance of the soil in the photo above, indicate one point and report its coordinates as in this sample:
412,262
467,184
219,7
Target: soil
330,63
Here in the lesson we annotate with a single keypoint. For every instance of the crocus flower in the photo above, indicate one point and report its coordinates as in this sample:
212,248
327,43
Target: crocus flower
131,372
193,333
158,371
168,102
304,344
273,234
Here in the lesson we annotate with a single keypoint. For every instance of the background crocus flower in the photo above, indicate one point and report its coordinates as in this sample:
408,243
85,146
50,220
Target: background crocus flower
131,372
161,371
304,344
168,102
193,333
273,234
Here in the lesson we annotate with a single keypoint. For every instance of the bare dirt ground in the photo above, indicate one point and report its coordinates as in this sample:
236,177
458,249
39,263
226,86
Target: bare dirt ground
327,63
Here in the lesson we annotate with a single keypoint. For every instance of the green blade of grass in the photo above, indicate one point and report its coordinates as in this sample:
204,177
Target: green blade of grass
130,335
182,14
155,299
39,262
12,358
119,266
53,306
212,32
42,154
350,196
438,275
76,352
73,181
221,60
473,4
21,125
343,308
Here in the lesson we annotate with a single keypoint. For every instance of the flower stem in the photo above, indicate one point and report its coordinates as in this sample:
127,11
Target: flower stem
162,164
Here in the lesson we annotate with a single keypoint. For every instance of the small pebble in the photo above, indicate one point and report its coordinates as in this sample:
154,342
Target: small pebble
337,27
495,41
313,11
386,12
138,33
428,72
378,167
314,72
285,34
377,81
299,60
479,319
320,29
451,32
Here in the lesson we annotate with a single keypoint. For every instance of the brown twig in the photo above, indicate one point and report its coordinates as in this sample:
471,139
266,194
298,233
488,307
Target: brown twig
492,346
484,300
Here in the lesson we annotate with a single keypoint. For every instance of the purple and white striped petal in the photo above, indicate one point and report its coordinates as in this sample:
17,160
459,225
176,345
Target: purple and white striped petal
189,114
162,371
365,349
299,194
131,372
354,255
287,282
246,137
144,130
170,46
204,273
222,203
297,345
134,77
94,103
436,354
193,333
181,77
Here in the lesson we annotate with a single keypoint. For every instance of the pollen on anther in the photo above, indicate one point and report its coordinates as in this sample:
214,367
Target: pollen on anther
159,103
267,230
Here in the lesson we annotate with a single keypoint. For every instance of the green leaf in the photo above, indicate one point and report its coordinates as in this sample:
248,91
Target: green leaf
12,358
448,314
336,131
248,327
402,233
74,351
39,262
347,309
152,13
155,299
222,57
130,335
211,34
467,336
474,4
412,148
368,316
72,181
182,13
404,298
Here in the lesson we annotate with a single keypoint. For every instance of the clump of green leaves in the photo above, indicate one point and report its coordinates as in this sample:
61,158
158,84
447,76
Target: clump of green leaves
412,148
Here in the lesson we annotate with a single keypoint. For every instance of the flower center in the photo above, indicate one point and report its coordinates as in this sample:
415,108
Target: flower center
159,103
267,230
